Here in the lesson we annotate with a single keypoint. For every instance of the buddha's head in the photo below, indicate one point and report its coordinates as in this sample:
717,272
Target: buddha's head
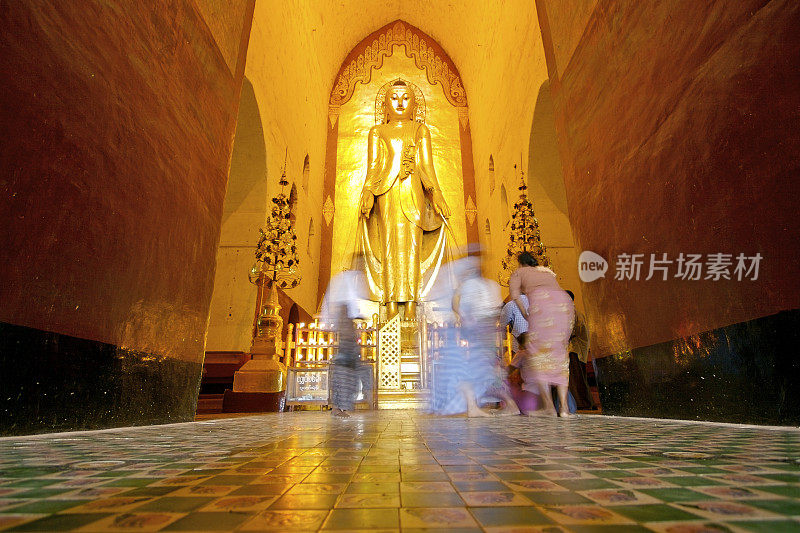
400,102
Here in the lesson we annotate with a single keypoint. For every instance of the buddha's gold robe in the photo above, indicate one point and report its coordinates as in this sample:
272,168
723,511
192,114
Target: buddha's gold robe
403,235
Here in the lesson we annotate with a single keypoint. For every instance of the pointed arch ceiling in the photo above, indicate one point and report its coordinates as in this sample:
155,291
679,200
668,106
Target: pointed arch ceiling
426,53
297,49
484,38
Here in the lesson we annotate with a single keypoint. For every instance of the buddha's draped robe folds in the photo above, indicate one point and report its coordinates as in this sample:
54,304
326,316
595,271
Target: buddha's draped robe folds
403,236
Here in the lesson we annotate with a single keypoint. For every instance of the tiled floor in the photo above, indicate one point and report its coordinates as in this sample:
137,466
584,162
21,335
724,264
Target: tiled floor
394,470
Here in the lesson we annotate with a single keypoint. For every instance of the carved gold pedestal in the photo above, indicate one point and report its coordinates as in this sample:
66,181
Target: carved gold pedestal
401,366
261,382
260,385
260,375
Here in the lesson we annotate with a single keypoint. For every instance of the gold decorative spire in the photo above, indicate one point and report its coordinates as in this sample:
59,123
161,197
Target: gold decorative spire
524,236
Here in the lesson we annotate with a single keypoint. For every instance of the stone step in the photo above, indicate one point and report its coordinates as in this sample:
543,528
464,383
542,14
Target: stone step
209,403
403,399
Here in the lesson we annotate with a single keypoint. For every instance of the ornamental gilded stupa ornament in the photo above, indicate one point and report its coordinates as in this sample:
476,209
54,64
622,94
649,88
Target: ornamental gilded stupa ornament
276,251
524,235
277,264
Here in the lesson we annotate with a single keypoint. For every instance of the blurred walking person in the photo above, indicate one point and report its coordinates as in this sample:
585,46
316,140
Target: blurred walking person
450,369
521,380
550,313
340,309
578,357
477,303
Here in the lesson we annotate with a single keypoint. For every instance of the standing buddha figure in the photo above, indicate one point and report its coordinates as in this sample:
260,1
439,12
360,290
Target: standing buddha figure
401,205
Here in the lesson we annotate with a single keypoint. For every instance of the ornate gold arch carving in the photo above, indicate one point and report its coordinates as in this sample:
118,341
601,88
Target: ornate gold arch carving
426,53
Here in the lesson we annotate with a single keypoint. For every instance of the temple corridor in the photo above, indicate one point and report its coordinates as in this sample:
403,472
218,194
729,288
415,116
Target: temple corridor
284,265
404,470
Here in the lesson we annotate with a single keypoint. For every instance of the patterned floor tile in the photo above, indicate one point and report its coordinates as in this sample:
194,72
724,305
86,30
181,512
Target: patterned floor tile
317,488
305,501
585,514
725,510
558,498
60,522
138,521
431,499
426,486
480,486
304,471
679,494
527,529
769,526
8,521
781,507
510,516
359,501
354,519
436,518
655,513
301,520
239,504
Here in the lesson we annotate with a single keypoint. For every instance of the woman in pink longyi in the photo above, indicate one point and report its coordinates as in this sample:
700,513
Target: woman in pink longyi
550,313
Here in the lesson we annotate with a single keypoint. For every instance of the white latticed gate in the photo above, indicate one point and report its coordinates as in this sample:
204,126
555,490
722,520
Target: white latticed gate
389,355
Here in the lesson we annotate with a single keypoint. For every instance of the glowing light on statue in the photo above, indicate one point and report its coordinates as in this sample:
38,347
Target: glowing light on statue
401,203
357,117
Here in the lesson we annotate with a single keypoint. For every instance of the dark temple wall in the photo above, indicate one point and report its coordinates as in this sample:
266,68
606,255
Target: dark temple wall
679,129
117,122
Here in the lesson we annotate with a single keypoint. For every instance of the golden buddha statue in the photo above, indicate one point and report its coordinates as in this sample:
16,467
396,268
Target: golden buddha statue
402,209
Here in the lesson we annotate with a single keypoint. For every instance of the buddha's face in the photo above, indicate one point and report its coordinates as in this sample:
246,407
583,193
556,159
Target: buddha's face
400,103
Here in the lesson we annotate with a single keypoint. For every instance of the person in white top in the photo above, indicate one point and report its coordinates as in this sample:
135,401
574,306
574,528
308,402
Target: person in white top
340,307
477,303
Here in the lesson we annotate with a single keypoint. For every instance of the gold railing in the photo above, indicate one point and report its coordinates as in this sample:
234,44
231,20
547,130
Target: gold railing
436,339
313,343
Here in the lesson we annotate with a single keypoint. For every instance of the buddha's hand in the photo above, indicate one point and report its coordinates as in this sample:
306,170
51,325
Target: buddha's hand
367,201
440,204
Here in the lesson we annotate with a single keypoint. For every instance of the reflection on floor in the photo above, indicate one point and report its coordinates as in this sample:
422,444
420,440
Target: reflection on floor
387,470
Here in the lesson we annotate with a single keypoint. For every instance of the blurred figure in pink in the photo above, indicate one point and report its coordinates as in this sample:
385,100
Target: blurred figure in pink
550,314
525,393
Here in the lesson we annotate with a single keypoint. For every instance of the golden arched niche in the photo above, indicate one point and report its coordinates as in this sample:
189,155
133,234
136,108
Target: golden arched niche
396,51
357,116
